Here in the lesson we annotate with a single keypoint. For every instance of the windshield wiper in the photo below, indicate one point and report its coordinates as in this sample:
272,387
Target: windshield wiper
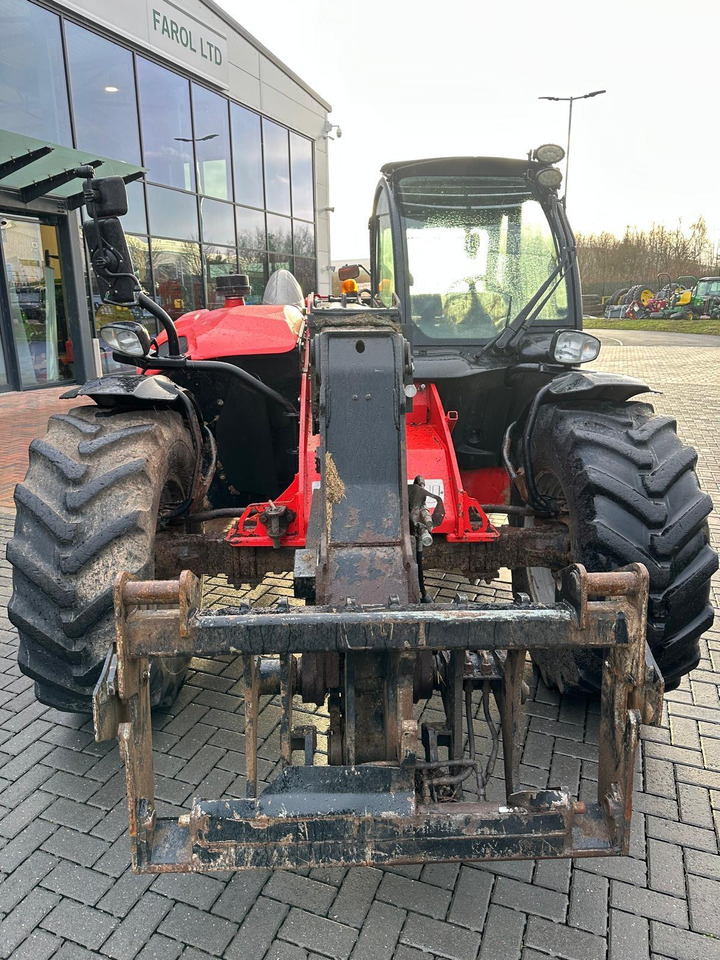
508,337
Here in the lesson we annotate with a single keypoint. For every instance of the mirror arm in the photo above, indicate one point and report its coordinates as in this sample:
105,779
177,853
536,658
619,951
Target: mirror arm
165,319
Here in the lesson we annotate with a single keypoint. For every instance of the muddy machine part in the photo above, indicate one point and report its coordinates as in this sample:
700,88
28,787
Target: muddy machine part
392,788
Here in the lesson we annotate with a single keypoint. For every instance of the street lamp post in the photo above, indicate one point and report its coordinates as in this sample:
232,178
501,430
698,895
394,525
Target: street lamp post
570,100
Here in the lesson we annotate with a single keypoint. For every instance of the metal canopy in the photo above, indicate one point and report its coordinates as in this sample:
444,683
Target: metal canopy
36,169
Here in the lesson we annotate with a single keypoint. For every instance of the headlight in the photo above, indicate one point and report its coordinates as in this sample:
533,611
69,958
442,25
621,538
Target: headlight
126,337
549,153
549,177
574,346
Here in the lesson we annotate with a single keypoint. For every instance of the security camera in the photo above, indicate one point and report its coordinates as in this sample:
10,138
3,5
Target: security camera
328,129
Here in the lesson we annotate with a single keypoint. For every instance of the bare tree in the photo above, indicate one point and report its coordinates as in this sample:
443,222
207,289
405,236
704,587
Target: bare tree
608,263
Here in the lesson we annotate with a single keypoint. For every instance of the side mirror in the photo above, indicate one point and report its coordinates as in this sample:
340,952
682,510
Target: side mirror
126,337
109,198
111,260
351,271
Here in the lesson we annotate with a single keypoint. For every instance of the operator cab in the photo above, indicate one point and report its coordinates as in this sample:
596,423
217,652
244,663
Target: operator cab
463,245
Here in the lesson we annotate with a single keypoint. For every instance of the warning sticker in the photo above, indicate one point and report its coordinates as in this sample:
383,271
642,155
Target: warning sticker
438,488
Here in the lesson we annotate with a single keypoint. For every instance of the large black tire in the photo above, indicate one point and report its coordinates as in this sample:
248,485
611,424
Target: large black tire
632,294
88,509
631,494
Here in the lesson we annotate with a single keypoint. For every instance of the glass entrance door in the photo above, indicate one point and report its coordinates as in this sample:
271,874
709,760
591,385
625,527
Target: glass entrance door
38,326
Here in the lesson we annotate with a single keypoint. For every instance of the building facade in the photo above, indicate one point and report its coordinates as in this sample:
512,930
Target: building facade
223,149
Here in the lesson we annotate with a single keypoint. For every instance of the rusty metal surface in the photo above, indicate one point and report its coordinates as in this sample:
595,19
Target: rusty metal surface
319,629
210,553
547,544
379,802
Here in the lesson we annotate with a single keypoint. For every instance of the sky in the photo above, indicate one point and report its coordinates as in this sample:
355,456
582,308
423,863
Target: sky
410,79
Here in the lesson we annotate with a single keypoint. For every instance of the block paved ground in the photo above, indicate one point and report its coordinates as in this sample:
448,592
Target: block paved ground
66,891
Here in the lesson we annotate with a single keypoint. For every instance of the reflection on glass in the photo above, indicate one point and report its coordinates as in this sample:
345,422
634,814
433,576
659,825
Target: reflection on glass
3,371
103,95
302,177
135,220
105,313
166,126
172,214
212,143
177,270
279,261
37,301
277,167
478,250
218,262
250,229
218,222
305,275
255,265
33,94
303,238
279,234
247,156
140,256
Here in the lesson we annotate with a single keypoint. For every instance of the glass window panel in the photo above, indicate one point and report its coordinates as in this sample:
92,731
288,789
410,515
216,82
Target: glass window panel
279,261
36,293
279,234
218,262
135,220
305,274
172,214
140,255
110,313
255,265
33,92
247,156
250,229
103,95
302,177
218,222
277,167
303,238
177,270
166,126
212,143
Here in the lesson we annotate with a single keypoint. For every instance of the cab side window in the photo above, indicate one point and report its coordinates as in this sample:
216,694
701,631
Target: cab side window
384,253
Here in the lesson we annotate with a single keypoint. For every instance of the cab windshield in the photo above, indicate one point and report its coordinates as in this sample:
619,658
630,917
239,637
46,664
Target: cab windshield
478,249
708,287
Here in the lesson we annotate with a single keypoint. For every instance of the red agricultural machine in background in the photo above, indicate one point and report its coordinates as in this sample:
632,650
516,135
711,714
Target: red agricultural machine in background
355,442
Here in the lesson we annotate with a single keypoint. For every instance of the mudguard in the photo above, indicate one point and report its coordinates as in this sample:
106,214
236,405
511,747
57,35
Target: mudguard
594,385
128,389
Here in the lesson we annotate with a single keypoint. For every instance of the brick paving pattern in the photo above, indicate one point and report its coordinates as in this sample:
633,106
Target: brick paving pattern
66,890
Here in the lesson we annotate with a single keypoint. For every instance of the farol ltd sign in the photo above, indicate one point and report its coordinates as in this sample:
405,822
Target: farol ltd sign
187,40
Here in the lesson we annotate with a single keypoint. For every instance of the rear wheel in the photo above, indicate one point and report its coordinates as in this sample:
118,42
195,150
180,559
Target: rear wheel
88,509
630,493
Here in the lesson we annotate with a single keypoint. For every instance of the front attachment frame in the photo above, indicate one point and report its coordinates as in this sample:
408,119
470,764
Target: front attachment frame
373,813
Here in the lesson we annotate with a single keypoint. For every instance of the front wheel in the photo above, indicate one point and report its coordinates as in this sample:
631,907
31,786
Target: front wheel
630,493
87,510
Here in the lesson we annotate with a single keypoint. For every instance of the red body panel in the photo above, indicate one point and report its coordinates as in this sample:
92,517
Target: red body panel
239,331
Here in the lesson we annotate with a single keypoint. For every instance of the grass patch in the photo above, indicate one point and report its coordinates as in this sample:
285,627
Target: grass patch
666,326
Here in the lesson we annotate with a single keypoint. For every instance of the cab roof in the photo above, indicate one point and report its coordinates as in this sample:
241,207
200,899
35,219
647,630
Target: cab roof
458,166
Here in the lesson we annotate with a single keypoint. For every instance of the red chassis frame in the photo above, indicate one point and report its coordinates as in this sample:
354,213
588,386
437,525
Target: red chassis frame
430,454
